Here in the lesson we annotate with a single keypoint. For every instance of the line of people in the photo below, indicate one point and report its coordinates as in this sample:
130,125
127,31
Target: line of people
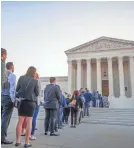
28,91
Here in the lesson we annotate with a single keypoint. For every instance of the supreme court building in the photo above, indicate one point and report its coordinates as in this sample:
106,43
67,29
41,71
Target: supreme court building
104,64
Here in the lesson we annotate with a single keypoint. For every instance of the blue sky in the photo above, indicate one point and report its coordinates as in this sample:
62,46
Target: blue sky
38,33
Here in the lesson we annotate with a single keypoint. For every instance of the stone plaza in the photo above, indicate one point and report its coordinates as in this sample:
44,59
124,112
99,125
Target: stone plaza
86,135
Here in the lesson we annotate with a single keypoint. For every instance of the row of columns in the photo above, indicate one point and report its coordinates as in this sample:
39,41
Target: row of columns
99,81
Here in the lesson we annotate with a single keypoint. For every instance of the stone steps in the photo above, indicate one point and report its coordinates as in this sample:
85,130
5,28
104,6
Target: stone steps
111,116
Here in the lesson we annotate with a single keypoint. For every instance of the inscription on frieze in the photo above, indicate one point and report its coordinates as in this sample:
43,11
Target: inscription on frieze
104,45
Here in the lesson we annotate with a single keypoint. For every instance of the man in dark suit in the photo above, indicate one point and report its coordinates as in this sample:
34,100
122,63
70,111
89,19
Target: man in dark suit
52,97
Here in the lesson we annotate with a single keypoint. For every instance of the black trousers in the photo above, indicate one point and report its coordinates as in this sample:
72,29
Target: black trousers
50,119
7,110
74,113
66,113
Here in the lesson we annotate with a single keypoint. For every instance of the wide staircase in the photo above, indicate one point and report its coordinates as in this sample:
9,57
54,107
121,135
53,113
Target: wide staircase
100,116
110,116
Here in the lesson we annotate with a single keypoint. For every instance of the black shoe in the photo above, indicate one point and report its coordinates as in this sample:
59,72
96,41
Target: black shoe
36,129
6,142
45,133
27,145
71,126
54,134
17,144
74,126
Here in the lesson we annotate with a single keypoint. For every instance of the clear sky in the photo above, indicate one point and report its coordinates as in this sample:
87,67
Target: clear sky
38,33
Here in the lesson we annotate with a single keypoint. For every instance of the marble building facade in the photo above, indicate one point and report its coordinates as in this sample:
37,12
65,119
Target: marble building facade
104,64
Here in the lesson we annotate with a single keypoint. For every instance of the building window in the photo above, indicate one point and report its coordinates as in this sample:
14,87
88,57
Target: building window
105,74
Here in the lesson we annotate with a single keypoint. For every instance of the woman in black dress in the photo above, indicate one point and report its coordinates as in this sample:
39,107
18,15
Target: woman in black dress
27,90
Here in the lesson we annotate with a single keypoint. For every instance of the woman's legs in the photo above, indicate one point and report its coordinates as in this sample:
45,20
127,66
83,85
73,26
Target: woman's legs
76,114
34,120
68,113
24,126
72,116
28,129
19,128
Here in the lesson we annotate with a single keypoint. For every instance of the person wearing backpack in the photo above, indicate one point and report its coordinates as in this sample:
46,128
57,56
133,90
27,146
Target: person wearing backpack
7,101
66,111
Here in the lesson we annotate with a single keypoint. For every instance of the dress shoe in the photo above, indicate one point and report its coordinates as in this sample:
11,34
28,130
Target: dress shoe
45,133
6,142
54,134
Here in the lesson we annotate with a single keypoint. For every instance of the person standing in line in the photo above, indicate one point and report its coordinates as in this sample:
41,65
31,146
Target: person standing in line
28,91
35,114
7,101
94,98
97,99
3,65
75,104
88,97
63,105
24,127
52,97
57,122
66,111
3,68
36,111
81,113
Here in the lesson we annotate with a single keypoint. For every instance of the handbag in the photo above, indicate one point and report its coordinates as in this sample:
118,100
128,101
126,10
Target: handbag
72,104
18,101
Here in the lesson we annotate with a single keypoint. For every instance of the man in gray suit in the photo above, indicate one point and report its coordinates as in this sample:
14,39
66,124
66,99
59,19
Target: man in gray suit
52,98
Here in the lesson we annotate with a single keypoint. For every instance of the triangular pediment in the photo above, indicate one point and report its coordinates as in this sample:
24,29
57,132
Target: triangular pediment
102,44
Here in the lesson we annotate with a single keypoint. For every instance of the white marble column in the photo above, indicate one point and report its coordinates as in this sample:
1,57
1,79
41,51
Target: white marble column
110,76
99,80
121,77
89,74
78,74
132,74
69,76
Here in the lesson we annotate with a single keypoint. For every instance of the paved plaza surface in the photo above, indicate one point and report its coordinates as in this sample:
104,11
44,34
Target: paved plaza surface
84,136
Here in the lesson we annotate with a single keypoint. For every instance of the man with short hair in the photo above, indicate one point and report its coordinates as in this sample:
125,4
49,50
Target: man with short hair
88,97
7,100
52,97
3,65
3,68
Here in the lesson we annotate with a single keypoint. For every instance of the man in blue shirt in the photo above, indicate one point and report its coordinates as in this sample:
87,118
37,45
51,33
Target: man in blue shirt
7,101
88,97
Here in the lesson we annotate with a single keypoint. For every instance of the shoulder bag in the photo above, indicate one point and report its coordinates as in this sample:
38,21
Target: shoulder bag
18,101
